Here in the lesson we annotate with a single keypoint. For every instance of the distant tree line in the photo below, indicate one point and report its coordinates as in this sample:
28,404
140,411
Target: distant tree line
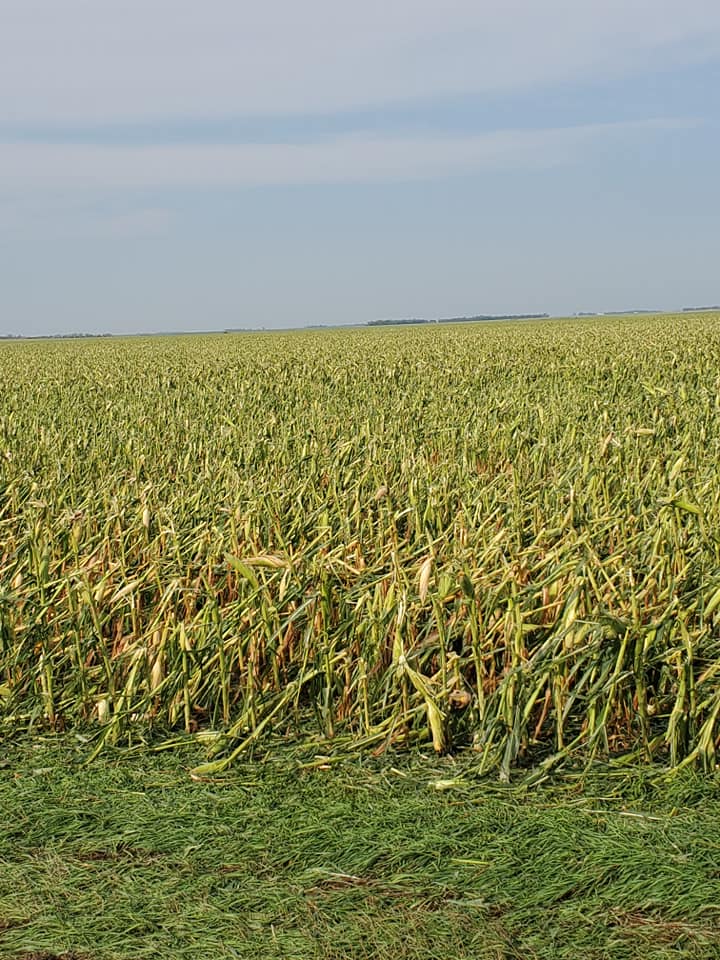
480,316
54,336
625,313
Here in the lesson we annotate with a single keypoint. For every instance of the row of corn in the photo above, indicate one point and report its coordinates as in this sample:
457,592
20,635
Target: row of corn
505,537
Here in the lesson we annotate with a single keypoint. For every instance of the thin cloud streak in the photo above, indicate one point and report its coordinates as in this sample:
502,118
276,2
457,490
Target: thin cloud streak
349,159
147,222
83,61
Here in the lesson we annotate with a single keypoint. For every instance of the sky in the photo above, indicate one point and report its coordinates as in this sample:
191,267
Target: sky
169,165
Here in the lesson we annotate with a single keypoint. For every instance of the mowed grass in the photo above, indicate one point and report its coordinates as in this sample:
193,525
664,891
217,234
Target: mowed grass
496,535
128,858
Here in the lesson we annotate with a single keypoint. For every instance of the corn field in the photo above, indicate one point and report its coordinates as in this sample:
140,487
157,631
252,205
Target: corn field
503,536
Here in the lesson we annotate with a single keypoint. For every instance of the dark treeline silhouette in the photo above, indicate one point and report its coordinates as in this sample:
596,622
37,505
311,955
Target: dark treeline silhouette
54,336
481,316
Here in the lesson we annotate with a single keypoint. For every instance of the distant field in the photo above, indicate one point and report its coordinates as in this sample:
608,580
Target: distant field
497,535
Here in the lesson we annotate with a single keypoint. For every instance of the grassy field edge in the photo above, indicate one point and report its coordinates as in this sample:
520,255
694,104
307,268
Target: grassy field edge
406,856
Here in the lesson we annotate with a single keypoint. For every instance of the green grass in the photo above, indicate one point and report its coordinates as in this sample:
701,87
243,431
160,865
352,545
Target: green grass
128,858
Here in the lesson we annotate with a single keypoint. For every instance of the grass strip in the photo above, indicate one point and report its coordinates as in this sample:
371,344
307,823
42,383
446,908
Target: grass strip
128,858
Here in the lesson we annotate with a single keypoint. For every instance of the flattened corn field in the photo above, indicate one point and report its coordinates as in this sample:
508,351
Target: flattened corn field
504,536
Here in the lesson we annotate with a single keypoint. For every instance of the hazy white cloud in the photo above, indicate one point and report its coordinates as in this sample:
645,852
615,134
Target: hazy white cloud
130,224
347,159
144,222
109,60
77,215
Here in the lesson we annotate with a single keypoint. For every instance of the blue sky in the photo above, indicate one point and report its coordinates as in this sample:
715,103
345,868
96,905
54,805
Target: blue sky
167,165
